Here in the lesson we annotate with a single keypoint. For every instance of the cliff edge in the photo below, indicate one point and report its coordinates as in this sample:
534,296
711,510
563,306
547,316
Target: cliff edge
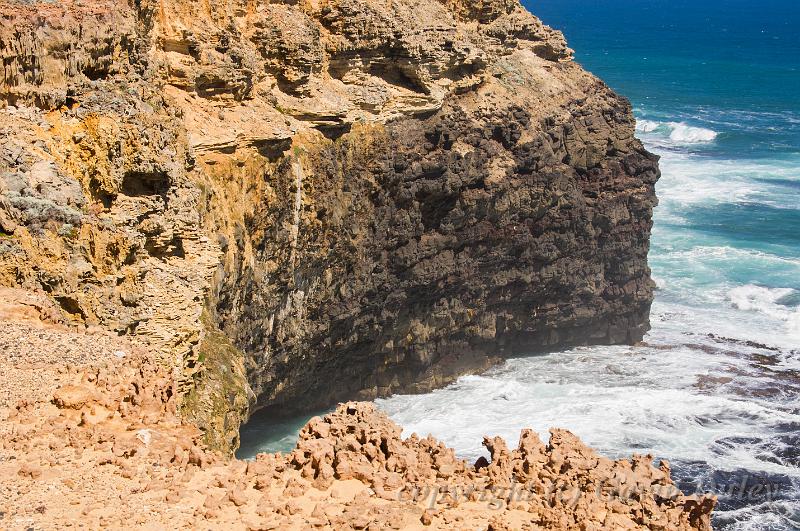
293,203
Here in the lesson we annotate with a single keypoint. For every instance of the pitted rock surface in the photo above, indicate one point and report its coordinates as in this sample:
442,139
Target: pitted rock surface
95,442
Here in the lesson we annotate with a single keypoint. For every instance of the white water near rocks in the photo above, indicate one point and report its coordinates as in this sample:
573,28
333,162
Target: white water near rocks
716,389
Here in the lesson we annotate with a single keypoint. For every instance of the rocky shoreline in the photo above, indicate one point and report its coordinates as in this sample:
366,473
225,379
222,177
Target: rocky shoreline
293,204
209,208
101,444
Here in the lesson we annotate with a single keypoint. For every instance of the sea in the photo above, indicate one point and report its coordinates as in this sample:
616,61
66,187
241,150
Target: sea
715,389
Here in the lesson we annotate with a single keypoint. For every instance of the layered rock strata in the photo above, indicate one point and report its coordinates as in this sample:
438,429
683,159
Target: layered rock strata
293,203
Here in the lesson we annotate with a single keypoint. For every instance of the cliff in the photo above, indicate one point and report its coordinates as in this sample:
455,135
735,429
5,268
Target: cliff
294,203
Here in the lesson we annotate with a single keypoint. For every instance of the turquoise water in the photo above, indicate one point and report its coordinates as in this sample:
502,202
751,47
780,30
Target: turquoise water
716,90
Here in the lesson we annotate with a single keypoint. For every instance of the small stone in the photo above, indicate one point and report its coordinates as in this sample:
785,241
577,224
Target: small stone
237,497
30,470
72,397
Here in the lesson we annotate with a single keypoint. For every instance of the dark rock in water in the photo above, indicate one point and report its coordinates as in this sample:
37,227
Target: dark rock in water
784,449
742,342
736,488
724,445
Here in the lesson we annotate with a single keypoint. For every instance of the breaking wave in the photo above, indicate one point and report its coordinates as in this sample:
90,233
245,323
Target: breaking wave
777,303
679,133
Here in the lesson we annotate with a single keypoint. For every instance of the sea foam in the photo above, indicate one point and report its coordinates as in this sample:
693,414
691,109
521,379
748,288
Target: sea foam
679,133
687,134
768,301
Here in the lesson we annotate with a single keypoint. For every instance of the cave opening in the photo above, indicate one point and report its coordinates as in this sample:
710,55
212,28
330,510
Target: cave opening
139,183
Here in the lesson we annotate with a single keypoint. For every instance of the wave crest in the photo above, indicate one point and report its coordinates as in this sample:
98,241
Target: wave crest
677,132
768,301
686,134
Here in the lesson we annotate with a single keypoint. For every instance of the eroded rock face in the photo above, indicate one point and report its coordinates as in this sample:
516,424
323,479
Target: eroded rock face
331,199
429,248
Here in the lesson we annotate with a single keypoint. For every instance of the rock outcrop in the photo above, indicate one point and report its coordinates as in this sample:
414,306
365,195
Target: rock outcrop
293,203
100,443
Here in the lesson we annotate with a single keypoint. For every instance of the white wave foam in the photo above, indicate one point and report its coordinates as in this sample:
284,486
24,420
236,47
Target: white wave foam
679,133
751,298
619,400
673,250
647,126
687,134
688,178
735,253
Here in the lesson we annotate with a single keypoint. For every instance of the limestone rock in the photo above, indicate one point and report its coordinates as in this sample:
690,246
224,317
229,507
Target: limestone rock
95,442
296,203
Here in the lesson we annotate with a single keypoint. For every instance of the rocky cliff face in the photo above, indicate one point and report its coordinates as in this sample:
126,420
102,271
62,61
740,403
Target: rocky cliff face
298,202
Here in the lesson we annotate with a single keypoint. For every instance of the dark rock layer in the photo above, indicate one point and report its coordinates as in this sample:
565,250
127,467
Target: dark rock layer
426,263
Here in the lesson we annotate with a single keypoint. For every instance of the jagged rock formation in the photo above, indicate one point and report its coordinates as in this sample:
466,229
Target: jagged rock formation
327,198
94,443
560,485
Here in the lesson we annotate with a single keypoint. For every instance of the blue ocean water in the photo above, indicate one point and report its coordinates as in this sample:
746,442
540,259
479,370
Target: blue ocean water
715,86
716,90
